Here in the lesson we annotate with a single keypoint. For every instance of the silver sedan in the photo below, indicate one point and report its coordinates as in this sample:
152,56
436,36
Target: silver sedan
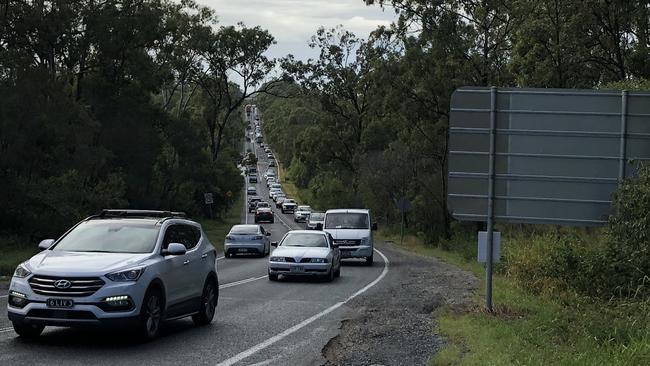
305,253
247,239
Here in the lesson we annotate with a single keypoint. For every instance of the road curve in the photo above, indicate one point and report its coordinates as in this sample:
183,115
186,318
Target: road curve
258,321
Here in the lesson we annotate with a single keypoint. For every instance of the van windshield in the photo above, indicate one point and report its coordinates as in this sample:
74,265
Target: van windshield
347,221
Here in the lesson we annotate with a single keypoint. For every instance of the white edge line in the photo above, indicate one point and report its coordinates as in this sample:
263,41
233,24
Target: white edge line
278,337
3,296
6,330
232,284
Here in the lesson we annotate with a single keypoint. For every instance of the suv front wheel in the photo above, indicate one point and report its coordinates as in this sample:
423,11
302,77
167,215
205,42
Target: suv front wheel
151,315
28,330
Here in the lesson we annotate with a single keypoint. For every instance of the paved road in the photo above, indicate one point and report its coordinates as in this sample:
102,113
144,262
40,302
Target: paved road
258,321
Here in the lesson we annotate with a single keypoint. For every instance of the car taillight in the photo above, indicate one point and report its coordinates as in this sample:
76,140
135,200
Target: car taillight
259,237
229,237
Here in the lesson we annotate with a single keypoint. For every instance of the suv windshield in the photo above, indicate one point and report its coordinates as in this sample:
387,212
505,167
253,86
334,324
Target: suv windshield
347,221
316,216
113,236
304,240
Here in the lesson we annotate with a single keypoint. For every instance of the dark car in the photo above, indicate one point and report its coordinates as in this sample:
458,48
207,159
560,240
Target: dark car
252,178
252,203
272,163
264,214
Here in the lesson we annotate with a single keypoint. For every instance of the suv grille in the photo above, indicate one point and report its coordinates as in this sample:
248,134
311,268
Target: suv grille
79,286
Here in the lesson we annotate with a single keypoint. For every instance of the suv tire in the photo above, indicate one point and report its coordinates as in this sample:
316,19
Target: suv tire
273,277
369,260
151,314
28,331
209,300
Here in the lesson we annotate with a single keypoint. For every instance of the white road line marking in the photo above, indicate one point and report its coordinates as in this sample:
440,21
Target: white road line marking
218,258
5,330
278,337
3,296
283,222
231,284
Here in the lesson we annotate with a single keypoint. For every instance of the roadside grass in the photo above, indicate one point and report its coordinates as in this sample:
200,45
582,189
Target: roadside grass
218,228
528,329
289,188
14,252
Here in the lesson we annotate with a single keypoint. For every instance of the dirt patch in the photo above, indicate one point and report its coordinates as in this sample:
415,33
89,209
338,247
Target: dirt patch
395,323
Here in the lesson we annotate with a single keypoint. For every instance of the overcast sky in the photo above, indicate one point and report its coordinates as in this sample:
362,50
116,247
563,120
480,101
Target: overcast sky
293,22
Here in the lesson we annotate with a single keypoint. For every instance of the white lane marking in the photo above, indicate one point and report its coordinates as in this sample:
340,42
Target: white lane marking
5,330
231,284
3,296
282,221
220,258
278,337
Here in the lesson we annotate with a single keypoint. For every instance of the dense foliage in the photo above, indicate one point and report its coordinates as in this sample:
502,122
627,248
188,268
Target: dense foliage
119,103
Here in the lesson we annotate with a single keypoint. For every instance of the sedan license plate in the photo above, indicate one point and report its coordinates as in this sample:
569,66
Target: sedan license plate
60,303
297,269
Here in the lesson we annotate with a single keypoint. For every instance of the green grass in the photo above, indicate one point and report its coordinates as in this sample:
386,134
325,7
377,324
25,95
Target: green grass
527,329
289,187
218,228
14,253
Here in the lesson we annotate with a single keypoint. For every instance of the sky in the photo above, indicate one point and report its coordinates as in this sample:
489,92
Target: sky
293,22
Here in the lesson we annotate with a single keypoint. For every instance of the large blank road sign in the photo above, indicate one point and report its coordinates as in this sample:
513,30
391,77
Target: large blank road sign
558,154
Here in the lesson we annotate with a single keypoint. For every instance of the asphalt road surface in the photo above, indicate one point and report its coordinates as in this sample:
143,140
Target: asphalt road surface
257,322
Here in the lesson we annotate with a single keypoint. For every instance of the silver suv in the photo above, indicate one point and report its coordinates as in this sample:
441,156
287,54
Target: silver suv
119,268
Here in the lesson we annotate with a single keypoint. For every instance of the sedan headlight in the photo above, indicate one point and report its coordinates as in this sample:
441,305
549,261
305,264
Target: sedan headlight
125,276
319,260
21,271
277,259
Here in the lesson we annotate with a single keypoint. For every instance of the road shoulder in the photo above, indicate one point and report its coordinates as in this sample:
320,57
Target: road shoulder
395,324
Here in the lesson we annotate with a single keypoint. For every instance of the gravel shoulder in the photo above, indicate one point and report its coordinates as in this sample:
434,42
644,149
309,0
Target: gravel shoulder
395,324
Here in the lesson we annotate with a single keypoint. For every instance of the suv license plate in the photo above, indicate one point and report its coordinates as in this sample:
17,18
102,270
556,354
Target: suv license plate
297,269
60,303
242,250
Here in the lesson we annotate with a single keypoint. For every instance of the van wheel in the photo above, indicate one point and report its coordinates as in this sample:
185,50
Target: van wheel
337,274
209,301
151,315
28,331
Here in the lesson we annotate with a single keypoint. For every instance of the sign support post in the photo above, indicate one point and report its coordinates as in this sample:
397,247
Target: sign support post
490,203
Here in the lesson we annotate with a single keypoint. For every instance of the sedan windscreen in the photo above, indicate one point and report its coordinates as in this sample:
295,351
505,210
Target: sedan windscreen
110,237
347,221
304,240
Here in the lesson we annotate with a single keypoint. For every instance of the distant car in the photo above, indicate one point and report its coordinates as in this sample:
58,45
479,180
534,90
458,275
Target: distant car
272,163
252,203
264,214
289,206
305,253
277,195
273,190
262,204
301,214
275,186
268,175
252,178
267,149
314,219
279,199
251,191
270,181
243,239
269,156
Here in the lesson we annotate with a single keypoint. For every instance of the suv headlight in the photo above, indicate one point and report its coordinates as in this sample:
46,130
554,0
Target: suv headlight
124,276
21,271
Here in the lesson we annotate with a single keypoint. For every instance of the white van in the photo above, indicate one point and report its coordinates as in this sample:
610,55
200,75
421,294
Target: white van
352,231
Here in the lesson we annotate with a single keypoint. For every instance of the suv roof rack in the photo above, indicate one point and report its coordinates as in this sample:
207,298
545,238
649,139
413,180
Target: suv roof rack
140,213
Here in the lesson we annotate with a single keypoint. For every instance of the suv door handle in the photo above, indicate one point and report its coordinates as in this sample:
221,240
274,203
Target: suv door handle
205,255
186,262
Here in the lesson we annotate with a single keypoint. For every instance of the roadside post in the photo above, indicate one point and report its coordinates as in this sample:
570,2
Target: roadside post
541,156
404,206
207,197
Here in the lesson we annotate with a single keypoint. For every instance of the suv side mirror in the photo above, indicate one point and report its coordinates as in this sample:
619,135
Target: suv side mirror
175,249
268,233
334,245
374,226
319,226
274,243
45,244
